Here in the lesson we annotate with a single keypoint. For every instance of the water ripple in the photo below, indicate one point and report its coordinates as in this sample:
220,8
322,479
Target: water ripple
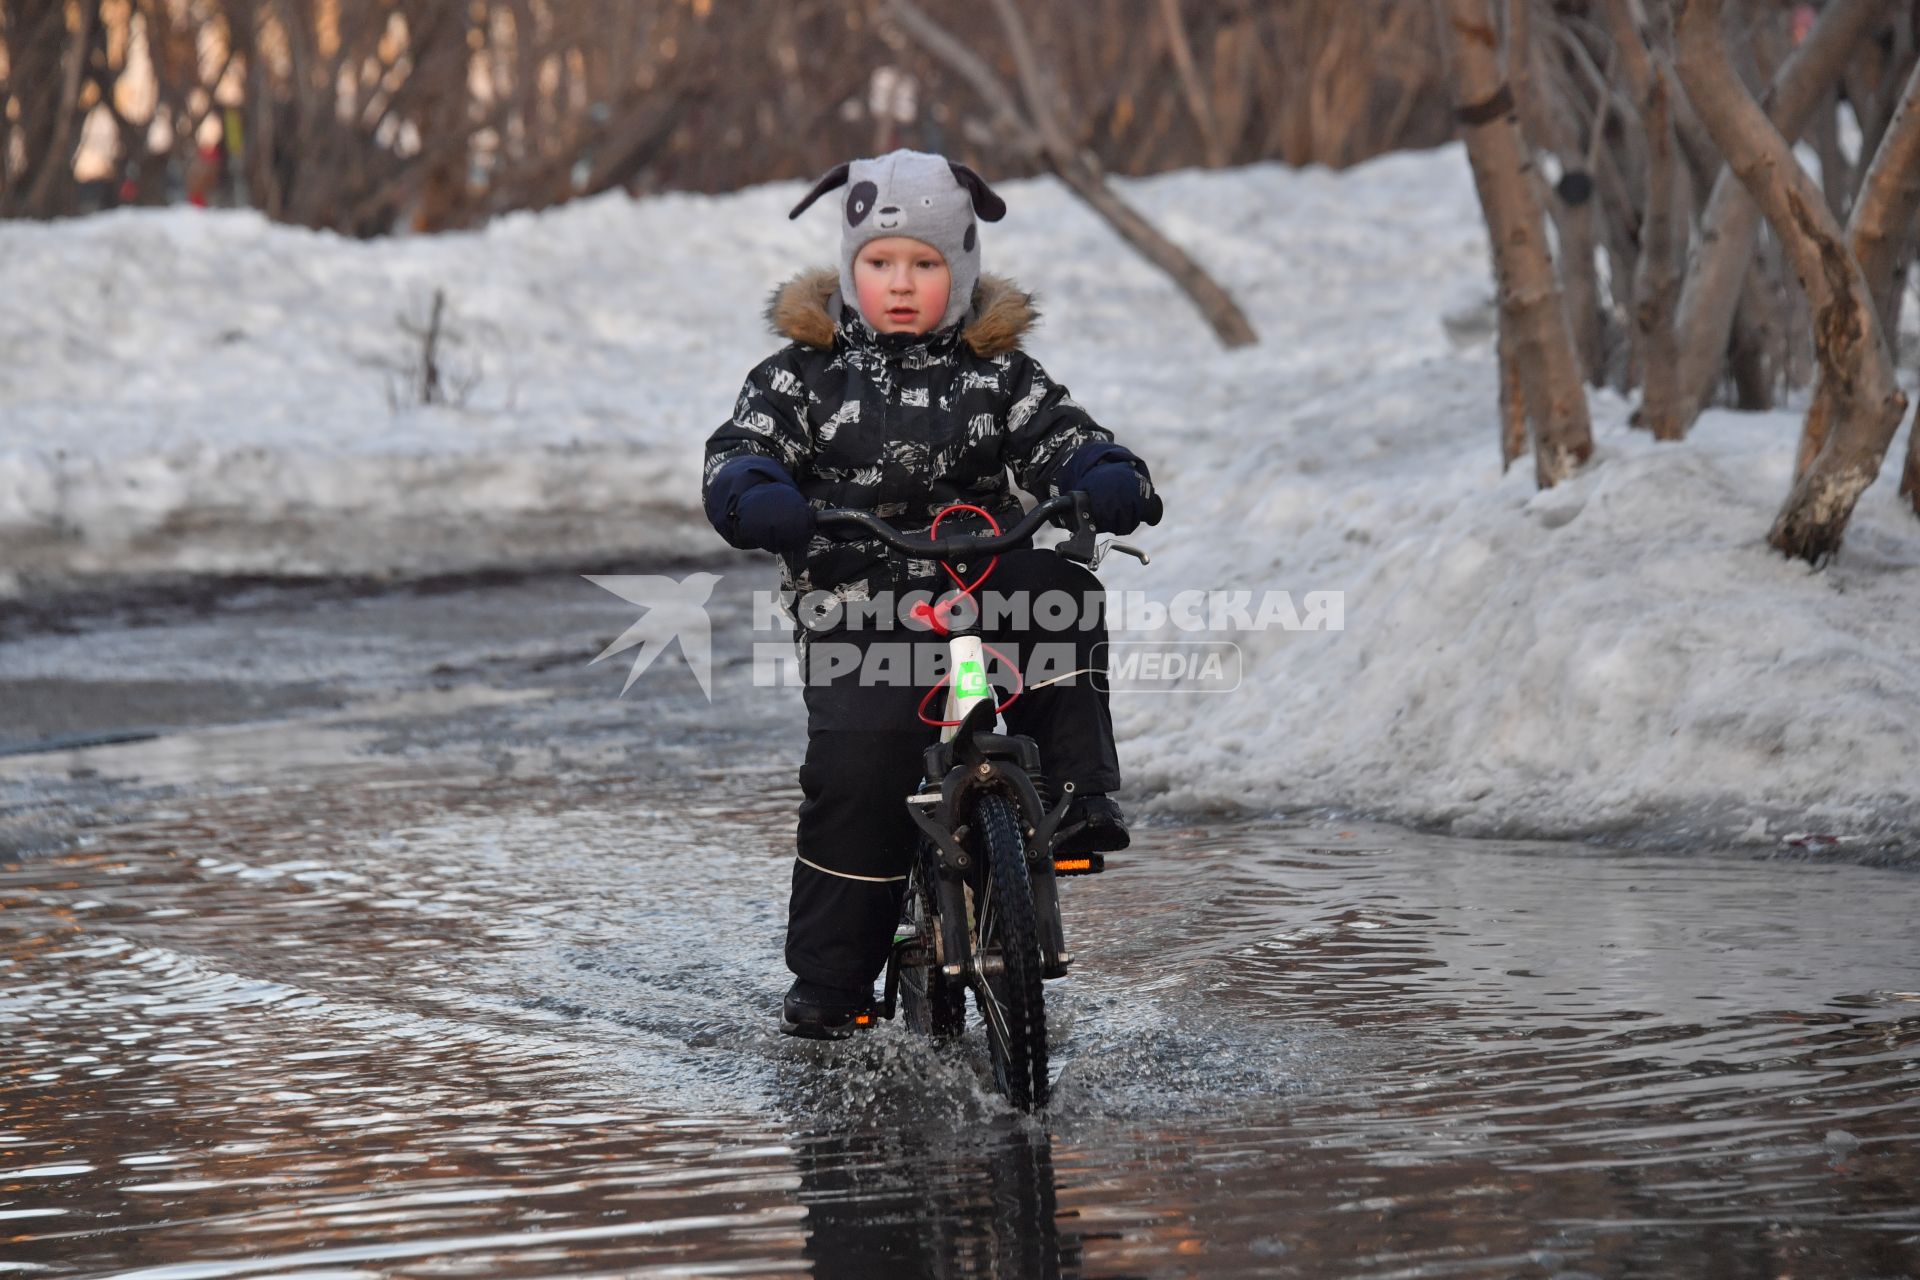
475,1025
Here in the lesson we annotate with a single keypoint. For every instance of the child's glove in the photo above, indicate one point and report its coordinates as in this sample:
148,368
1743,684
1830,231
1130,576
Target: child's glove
1119,491
1119,498
755,505
775,518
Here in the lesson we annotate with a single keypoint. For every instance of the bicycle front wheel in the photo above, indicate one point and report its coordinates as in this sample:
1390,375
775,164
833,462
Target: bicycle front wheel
1006,984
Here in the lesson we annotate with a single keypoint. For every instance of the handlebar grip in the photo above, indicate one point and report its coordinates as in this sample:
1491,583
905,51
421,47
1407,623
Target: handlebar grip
1155,509
951,548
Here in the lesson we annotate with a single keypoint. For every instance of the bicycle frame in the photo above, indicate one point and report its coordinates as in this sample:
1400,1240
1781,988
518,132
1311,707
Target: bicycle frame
966,657
972,757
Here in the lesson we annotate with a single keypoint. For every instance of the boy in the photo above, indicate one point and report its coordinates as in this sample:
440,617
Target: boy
902,391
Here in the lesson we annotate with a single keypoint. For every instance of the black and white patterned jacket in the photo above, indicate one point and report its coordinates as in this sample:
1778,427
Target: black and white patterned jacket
901,425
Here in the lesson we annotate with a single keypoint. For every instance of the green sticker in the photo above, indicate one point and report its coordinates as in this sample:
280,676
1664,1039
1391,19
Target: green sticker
972,680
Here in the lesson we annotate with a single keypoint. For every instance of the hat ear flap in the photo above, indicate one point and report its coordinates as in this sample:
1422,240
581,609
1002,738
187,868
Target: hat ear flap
834,177
986,203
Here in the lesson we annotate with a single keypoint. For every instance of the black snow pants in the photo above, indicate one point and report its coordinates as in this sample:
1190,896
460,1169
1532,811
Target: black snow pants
865,744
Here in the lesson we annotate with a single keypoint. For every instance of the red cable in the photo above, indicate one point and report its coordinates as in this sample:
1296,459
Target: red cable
936,615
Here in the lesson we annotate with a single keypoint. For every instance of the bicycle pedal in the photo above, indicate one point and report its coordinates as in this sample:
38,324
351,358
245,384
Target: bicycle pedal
837,1031
1080,864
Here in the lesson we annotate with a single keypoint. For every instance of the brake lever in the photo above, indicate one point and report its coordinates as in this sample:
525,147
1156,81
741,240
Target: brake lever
1081,547
1101,552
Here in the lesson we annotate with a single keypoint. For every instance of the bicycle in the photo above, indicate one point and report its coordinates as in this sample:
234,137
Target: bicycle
982,907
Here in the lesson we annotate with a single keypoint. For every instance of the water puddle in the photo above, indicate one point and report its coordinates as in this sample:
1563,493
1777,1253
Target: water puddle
464,967
466,1025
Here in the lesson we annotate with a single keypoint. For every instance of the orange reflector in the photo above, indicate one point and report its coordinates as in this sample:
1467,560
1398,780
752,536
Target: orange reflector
862,1019
1073,864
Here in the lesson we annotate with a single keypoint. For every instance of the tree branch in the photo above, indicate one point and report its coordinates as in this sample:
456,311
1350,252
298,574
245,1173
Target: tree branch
1077,169
986,85
1711,291
1182,51
1856,371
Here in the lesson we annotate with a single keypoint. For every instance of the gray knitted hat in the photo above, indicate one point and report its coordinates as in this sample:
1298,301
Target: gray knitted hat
912,193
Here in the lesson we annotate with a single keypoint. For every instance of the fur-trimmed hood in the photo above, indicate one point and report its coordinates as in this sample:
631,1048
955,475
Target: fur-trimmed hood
900,424
1000,316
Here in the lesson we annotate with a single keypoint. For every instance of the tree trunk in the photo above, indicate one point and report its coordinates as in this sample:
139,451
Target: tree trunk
1570,204
1656,287
1879,234
1866,400
1542,346
1881,227
1625,25
1910,474
1713,283
1513,395
51,190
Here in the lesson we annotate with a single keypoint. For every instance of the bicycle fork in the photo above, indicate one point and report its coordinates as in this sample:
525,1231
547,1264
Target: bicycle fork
973,761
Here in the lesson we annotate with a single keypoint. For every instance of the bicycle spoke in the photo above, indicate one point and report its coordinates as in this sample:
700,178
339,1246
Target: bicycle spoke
994,1011
985,917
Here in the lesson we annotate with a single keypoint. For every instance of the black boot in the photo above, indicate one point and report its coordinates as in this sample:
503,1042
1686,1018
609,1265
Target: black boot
820,1012
1093,824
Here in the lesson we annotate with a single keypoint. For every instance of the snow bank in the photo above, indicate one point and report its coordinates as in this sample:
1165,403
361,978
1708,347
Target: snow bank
207,392
185,390
1619,655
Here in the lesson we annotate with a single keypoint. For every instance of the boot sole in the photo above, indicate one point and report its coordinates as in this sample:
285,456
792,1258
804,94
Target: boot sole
819,1031
1091,840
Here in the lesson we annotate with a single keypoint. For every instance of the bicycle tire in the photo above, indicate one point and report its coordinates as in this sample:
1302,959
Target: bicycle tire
931,1003
1012,1001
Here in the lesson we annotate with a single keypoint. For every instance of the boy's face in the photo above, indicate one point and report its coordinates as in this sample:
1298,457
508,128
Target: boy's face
902,284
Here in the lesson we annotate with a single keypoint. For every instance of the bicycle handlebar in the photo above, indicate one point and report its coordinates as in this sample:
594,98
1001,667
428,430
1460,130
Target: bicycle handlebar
959,545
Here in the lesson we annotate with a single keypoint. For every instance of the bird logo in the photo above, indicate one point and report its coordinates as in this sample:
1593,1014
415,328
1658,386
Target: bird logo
674,610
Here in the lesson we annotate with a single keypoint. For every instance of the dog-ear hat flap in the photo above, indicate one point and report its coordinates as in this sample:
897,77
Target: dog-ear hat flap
986,202
834,177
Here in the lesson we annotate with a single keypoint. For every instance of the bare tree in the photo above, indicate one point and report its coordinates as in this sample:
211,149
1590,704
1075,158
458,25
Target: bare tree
1556,122
1197,101
1656,285
1880,234
48,45
1863,401
365,115
1711,292
1537,339
1881,227
1039,132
